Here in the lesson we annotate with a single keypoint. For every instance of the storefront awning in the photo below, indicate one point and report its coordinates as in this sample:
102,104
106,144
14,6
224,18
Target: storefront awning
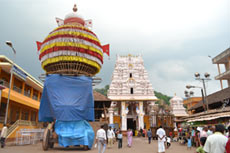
209,117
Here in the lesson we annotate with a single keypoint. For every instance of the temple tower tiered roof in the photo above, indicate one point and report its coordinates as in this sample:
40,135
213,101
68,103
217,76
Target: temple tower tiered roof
130,80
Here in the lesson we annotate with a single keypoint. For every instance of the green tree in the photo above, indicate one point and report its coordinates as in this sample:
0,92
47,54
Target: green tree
163,97
159,95
103,91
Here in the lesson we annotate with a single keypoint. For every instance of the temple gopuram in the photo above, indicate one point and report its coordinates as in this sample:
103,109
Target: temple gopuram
178,110
132,95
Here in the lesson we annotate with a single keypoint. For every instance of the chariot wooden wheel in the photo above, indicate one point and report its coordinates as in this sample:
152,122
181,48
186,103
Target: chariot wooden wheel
85,148
45,142
51,144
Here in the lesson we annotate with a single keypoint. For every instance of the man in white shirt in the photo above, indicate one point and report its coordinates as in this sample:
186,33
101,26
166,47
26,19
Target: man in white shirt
3,135
216,142
101,139
161,139
203,133
210,131
110,135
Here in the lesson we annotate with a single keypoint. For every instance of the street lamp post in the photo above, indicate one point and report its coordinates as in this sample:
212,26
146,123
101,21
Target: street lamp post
202,93
206,78
188,94
9,43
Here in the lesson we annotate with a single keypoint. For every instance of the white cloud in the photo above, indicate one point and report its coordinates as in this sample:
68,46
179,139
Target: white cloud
174,37
173,75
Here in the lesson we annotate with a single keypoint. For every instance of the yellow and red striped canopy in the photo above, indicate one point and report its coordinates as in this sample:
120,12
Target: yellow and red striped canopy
73,43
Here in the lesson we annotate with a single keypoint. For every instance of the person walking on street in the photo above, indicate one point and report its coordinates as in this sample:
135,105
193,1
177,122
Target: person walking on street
101,140
210,131
204,131
3,135
189,141
144,132
227,147
119,137
197,142
200,149
193,134
130,137
111,136
141,132
161,139
149,134
216,142
171,135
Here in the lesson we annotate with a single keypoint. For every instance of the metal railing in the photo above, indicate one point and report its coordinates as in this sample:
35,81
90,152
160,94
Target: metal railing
21,122
19,90
15,88
12,128
5,83
29,136
26,93
35,97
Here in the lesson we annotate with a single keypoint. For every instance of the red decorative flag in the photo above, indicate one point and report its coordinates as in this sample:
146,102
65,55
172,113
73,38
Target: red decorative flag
89,23
59,21
39,45
105,49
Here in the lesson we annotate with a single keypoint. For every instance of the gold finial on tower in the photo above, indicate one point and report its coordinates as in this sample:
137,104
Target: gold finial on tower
75,8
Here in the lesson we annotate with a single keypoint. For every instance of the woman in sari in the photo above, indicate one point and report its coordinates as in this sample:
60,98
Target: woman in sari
129,137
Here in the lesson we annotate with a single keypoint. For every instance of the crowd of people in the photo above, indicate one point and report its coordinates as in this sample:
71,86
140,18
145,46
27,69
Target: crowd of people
110,137
107,138
210,139
207,139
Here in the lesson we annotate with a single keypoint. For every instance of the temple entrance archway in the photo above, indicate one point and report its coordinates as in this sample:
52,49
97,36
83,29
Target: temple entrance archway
131,124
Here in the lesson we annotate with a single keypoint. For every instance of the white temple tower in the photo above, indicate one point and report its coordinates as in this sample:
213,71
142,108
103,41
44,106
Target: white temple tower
131,93
178,109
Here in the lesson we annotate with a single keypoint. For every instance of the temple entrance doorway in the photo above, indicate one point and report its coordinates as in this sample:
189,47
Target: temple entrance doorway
131,124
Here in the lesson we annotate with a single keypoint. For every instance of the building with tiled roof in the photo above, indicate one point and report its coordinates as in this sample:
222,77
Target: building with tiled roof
218,102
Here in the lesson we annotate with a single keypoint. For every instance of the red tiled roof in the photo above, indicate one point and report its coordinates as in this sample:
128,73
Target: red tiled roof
99,97
218,96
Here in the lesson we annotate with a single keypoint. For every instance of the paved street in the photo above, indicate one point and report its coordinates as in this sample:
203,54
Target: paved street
140,145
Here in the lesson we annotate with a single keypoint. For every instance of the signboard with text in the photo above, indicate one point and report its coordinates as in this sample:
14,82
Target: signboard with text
19,73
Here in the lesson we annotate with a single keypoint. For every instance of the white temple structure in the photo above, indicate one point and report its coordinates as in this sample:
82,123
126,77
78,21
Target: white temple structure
131,93
178,109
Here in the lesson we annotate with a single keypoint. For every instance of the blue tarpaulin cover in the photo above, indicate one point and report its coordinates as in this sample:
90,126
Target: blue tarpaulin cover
74,133
67,98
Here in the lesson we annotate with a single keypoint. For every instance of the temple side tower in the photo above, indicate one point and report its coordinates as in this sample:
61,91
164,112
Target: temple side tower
131,93
178,109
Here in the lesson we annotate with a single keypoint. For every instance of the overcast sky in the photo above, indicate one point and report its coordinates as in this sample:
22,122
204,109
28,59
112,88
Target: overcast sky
174,37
